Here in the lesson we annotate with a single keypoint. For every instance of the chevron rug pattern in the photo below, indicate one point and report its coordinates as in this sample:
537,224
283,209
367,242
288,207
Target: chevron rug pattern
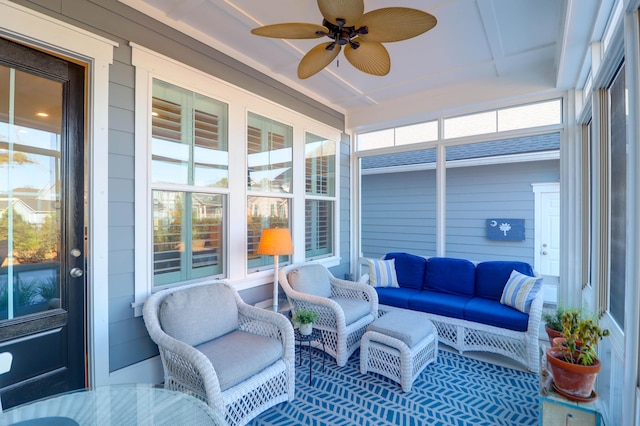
455,390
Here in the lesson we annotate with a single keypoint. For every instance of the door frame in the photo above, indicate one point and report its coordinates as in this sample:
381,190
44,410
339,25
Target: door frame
538,190
42,32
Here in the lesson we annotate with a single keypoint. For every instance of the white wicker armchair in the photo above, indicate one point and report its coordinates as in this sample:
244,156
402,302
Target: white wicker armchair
345,307
237,358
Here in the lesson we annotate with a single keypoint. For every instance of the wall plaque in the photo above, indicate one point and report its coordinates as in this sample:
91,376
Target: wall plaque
505,229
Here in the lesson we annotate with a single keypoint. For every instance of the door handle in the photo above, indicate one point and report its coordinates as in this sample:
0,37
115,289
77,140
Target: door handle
544,253
76,272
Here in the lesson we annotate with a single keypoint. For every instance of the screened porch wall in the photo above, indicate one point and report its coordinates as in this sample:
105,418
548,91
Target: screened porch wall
399,210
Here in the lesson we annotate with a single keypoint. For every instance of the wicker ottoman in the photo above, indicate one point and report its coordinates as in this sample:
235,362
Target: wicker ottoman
399,345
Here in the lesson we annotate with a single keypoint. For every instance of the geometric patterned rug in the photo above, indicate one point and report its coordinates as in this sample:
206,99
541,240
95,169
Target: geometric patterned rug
455,390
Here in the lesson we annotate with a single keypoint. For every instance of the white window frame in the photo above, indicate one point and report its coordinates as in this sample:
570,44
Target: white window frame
324,197
149,65
189,188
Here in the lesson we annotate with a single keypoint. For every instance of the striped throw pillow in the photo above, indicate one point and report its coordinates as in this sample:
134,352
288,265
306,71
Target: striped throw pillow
382,273
520,291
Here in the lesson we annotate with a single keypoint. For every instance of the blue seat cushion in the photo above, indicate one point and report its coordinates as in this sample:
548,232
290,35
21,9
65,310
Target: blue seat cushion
398,297
491,276
449,275
450,305
492,312
409,269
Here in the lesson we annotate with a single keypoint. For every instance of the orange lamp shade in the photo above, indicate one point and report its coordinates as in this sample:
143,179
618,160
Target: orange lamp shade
275,241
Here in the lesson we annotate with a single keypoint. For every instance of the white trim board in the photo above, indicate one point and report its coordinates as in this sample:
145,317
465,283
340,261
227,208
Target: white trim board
35,29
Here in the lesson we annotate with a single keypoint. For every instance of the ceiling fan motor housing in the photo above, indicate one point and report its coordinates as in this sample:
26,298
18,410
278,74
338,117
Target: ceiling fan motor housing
342,35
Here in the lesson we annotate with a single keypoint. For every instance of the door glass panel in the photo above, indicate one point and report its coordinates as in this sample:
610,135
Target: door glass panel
30,129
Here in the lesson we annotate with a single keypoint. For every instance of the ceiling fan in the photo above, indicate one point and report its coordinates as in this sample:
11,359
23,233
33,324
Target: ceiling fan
361,34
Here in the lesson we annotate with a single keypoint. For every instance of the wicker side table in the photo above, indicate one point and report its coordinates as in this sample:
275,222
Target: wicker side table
315,336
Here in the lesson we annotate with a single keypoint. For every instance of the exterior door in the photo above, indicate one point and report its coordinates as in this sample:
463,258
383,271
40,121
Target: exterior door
42,251
547,237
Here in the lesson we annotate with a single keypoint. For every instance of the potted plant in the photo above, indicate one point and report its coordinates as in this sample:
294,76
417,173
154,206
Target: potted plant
575,364
304,319
553,322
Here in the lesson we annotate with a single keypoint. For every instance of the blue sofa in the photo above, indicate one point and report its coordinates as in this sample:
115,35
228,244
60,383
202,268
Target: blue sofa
462,299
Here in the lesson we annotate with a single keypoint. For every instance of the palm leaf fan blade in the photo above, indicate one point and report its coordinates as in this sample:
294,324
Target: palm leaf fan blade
291,30
316,59
396,23
371,58
349,10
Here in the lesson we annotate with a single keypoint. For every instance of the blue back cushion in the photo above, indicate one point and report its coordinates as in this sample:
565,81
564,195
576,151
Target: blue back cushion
492,276
409,269
449,275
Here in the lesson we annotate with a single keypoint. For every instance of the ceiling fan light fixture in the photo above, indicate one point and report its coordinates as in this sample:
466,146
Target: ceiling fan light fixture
346,24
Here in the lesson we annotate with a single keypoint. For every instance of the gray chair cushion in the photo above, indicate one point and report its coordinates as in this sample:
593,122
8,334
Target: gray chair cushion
410,327
239,355
199,314
311,279
353,309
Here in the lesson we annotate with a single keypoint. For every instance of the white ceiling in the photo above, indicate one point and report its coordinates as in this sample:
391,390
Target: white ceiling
479,52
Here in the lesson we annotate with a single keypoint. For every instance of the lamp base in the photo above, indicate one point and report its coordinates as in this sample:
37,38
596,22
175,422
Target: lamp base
282,307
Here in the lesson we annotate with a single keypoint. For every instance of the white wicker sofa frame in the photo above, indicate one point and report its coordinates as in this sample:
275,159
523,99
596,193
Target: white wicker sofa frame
340,331
466,336
189,368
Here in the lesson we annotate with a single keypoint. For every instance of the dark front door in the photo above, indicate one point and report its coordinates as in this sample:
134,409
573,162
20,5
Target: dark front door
42,251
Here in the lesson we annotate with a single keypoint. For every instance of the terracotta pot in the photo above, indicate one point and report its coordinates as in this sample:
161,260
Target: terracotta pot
562,342
552,333
572,379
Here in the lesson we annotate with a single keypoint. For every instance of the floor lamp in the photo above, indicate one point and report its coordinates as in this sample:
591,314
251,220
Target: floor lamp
275,242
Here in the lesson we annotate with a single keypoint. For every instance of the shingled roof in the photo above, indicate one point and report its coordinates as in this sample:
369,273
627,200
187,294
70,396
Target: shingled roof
528,144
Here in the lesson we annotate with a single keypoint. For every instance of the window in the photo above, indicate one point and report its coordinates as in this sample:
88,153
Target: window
189,160
618,201
406,135
320,183
270,160
528,116
214,165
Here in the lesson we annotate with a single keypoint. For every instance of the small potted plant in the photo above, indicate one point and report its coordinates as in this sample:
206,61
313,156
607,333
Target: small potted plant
553,322
304,319
574,364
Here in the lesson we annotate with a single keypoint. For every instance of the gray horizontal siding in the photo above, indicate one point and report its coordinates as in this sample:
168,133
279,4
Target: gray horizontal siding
399,210
475,194
398,213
